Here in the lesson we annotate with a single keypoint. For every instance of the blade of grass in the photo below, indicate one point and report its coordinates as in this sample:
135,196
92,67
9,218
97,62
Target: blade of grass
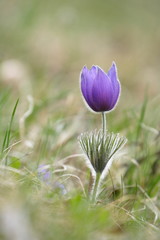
6,140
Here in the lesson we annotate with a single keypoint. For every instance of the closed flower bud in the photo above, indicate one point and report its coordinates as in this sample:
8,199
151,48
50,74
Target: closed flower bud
100,90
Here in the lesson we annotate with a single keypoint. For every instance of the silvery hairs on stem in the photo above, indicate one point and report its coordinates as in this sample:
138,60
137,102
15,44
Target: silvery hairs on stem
99,148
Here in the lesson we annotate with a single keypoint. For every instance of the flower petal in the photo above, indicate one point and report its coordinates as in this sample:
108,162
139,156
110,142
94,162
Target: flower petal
112,74
102,92
87,80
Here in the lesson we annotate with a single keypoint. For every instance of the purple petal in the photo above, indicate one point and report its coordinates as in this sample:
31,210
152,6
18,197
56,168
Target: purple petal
112,74
102,92
87,80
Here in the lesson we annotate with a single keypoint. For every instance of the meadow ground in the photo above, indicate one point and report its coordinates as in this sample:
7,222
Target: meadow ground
43,176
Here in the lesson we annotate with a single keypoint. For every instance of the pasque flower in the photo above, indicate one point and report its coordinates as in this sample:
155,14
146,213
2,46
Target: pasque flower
100,90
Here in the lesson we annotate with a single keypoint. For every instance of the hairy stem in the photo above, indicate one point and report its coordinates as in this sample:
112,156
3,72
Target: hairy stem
95,188
104,123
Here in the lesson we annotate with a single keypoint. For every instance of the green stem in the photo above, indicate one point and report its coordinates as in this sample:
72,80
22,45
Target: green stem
95,190
96,183
104,123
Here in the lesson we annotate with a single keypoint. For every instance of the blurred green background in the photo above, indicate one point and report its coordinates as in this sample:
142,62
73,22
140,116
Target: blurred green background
54,39
43,47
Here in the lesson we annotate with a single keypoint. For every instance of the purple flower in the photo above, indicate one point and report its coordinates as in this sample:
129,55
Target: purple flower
44,173
100,90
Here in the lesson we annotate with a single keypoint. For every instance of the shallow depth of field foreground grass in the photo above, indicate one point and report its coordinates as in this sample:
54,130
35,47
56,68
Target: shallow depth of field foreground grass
44,181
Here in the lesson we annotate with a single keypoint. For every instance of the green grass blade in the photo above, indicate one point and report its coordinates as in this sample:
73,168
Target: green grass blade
6,140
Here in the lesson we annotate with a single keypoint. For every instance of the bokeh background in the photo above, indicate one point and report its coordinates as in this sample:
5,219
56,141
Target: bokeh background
54,39
45,44
43,47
